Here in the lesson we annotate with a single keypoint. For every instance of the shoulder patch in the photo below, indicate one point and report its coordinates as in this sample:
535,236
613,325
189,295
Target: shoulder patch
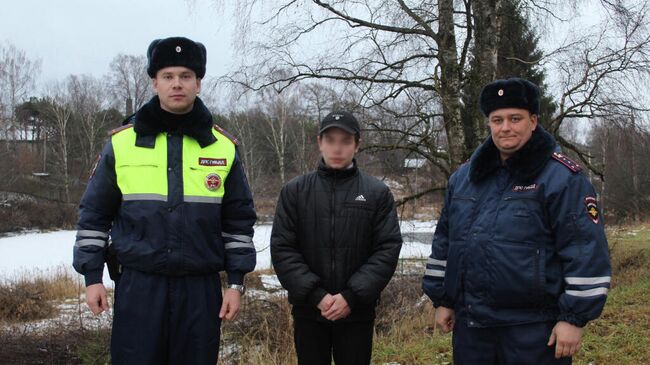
569,163
227,134
119,129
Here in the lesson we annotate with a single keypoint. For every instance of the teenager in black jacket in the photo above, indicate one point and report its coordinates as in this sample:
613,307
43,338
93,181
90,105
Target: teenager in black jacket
335,244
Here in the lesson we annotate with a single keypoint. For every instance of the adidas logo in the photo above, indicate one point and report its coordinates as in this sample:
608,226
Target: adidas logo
360,198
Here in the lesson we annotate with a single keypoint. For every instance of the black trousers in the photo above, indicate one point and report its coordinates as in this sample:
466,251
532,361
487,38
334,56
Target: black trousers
523,344
165,320
350,343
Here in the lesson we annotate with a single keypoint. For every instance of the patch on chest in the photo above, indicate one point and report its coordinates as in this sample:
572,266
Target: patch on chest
524,188
212,182
205,161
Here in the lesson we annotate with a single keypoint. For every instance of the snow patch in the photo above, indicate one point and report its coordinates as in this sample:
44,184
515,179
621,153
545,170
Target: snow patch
28,251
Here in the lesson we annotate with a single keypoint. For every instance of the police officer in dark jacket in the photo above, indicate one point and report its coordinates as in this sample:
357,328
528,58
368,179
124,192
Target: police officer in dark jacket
519,260
334,246
170,191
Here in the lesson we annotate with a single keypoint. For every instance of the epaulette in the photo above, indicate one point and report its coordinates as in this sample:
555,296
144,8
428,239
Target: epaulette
227,134
569,163
119,129
129,120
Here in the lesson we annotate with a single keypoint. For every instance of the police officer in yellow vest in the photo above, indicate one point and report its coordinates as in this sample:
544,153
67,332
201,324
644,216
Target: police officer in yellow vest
170,192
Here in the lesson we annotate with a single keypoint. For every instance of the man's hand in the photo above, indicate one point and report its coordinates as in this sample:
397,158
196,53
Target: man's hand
96,298
231,304
325,303
445,319
566,338
339,309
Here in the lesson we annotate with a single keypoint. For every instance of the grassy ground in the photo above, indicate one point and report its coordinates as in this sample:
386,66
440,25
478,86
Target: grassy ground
404,331
620,336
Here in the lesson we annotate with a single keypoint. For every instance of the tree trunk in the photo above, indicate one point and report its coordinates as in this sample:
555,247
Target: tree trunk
636,210
487,27
450,85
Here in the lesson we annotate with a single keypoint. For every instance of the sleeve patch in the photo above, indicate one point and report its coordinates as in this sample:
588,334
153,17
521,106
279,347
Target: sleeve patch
592,209
569,163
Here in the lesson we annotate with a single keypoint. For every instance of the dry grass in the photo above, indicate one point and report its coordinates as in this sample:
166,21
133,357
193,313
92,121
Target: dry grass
15,216
33,295
262,333
56,346
404,332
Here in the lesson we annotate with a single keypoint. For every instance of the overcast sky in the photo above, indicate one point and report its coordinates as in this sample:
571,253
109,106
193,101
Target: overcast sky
83,36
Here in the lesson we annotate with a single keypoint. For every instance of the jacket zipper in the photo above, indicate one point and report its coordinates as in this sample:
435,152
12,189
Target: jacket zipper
332,217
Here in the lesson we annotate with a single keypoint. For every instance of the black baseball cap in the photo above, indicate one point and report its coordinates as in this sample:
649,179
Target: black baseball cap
340,119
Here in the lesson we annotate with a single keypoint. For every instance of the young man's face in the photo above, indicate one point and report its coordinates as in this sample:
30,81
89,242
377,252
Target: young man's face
511,128
337,148
177,87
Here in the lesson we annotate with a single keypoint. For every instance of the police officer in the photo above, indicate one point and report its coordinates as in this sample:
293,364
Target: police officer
170,191
335,245
519,260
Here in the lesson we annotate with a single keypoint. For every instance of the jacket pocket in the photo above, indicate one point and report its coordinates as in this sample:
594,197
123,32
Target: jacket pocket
357,210
516,275
144,180
520,220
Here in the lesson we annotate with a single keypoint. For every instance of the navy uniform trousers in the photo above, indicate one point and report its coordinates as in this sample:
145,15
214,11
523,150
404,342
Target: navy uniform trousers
511,345
166,319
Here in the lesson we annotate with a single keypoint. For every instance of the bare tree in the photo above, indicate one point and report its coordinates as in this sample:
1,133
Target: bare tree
407,62
91,106
17,76
58,114
130,82
602,71
616,144
277,120
243,125
391,53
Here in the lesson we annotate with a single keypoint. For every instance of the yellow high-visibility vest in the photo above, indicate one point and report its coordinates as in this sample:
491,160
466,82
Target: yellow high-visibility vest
142,172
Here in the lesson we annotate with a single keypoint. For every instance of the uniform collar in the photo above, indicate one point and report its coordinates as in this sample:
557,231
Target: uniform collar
524,165
147,123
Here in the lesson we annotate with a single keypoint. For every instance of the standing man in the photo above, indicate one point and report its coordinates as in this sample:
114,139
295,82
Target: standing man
170,191
519,260
334,246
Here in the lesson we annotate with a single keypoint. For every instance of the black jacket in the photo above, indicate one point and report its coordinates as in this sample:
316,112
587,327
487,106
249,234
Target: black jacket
335,231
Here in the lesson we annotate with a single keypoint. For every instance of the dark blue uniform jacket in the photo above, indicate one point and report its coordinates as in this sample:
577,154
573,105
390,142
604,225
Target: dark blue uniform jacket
519,242
171,237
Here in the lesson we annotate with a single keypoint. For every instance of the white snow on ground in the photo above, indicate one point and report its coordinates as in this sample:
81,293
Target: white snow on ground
23,253
415,250
417,227
270,282
72,313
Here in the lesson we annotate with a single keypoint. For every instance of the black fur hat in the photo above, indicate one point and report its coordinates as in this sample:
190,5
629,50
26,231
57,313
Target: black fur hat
176,51
510,93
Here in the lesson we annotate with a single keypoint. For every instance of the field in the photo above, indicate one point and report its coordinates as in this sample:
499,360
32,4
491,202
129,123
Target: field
44,319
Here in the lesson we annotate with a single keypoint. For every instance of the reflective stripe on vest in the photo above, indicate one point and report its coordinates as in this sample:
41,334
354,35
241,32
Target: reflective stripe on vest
142,172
